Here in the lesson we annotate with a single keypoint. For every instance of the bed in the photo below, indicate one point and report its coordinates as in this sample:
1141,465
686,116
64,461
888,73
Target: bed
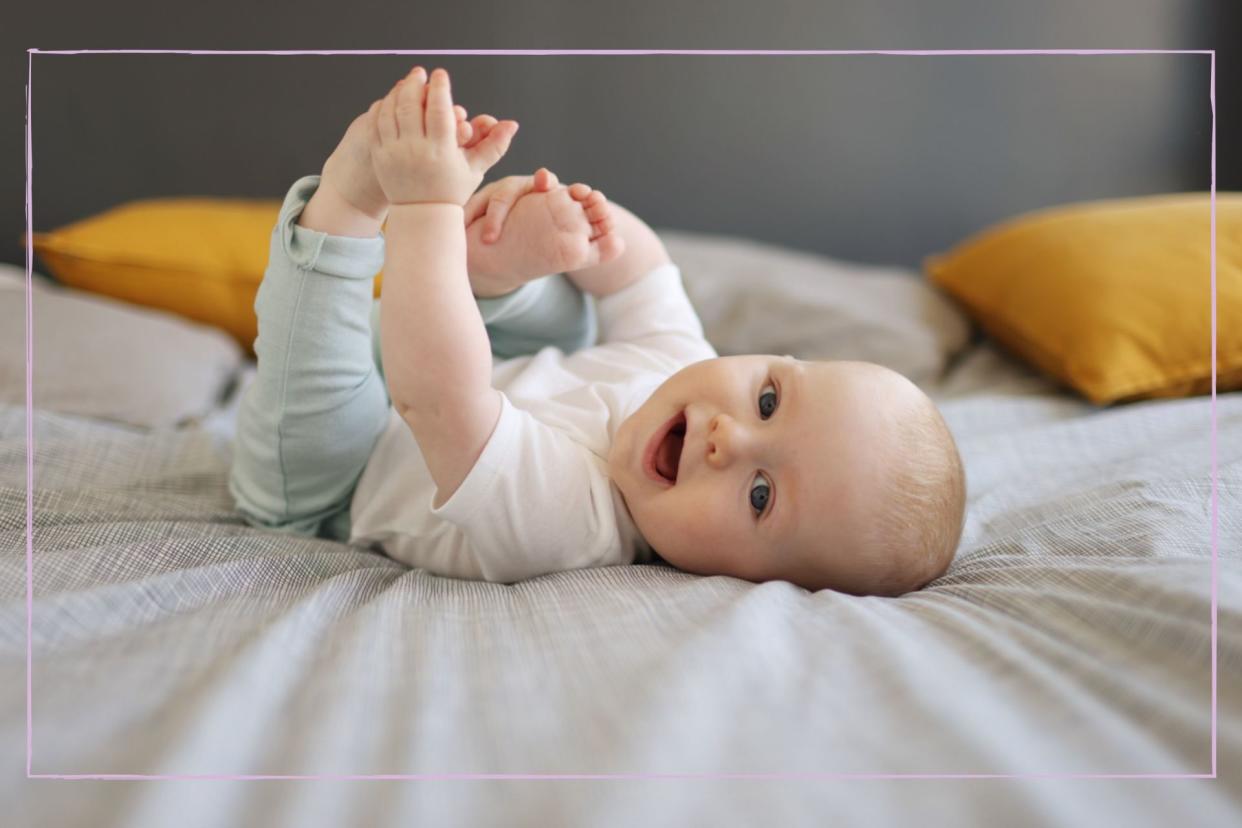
1071,636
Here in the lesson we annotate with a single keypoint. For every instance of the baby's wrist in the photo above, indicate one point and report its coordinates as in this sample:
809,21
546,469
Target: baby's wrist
431,205
441,213
442,220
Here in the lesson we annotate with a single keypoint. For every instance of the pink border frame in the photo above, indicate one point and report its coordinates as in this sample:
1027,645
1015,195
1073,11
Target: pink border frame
30,456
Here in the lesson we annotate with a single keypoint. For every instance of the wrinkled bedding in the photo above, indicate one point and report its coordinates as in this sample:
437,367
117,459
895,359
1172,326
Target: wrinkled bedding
1072,635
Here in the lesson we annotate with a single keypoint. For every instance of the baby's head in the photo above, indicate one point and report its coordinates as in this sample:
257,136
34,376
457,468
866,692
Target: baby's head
837,475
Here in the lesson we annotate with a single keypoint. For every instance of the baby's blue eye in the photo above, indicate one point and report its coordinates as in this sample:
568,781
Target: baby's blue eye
760,493
767,400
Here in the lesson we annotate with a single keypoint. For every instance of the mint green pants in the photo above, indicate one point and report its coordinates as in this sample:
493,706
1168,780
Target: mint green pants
308,422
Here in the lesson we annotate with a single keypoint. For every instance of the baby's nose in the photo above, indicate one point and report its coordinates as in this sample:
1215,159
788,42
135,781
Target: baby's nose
727,440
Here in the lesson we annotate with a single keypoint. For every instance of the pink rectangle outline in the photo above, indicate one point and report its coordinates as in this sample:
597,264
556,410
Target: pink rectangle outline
583,776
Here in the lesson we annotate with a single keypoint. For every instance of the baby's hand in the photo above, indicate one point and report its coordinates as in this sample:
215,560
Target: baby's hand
415,150
491,203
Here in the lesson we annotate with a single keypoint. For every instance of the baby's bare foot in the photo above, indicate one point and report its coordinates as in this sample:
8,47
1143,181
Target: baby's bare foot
348,170
567,228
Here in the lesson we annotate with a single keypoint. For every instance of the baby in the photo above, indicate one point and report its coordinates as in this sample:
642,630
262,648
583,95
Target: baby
830,475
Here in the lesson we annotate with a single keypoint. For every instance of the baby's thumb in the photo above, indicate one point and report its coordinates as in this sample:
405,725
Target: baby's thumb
491,149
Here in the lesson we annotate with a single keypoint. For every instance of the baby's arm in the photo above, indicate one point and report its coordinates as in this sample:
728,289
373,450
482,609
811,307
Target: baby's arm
640,296
437,360
643,253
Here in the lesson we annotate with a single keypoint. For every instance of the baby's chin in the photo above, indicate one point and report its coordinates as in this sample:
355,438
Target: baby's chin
622,436
622,446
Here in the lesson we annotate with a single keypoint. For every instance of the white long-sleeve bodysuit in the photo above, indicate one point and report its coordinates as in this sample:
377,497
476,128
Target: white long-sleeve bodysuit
538,499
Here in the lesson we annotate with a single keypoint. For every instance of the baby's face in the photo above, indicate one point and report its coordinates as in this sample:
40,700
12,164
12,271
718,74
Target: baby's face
761,467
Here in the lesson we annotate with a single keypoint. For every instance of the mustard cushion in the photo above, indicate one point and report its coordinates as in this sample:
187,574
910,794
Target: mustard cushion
1111,298
201,258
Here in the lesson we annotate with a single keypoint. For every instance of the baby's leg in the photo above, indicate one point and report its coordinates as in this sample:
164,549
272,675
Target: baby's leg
309,421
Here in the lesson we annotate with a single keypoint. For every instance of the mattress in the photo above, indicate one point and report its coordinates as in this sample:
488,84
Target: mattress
1073,635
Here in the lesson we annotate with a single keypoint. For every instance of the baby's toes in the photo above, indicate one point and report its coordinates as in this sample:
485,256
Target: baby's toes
610,246
602,228
567,213
596,209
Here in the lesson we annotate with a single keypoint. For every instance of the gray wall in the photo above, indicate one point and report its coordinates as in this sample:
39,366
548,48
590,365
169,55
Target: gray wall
871,158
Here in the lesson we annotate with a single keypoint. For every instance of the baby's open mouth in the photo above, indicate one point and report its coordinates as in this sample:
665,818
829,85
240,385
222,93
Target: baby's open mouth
668,452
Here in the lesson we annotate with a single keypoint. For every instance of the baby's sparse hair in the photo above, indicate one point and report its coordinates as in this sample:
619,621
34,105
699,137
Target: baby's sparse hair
923,511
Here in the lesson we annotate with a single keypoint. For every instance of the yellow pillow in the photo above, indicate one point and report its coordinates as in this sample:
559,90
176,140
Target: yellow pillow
202,258
1111,297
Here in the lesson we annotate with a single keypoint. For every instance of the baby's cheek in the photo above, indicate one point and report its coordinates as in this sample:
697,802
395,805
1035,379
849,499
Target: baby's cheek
704,520
685,540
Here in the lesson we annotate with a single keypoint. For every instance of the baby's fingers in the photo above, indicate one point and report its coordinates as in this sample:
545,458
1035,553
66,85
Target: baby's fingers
480,126
476,205
409,104
484,155
464,130
511,190
507,191
441,124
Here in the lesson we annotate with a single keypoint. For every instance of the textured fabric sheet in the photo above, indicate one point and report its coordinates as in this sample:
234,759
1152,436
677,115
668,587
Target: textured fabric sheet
1072,635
